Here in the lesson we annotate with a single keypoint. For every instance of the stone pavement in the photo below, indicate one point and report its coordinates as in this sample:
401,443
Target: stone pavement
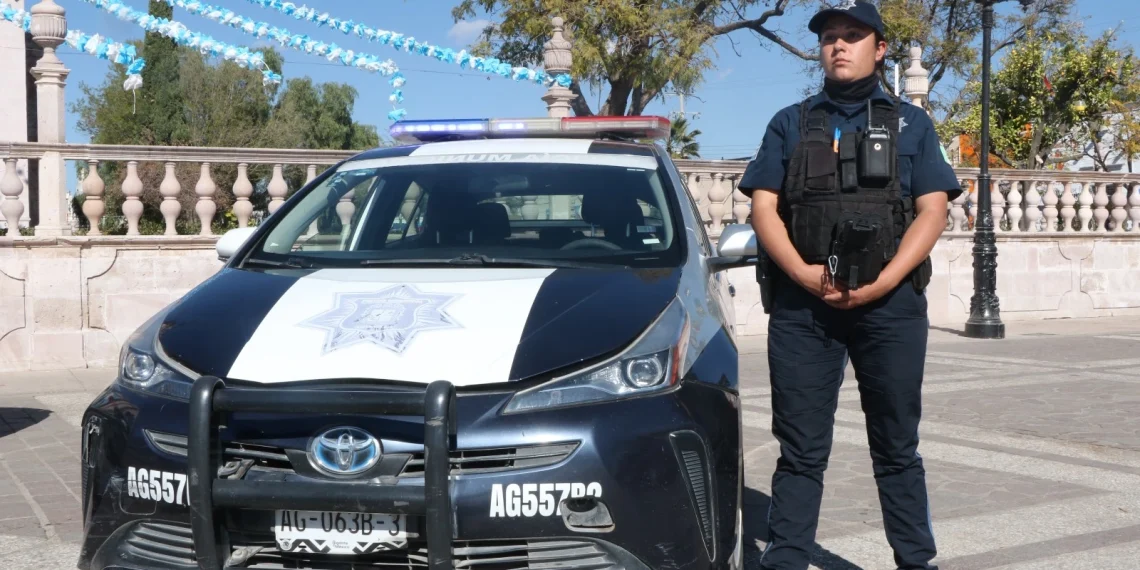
1031,445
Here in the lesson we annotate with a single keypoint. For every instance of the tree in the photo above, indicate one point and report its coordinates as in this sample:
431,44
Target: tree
1053,87
682,142
193,101
639,47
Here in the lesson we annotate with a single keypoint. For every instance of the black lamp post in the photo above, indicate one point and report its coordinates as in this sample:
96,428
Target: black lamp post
985,314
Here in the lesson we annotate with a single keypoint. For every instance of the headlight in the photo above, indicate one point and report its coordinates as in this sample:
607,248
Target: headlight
653,363
143,366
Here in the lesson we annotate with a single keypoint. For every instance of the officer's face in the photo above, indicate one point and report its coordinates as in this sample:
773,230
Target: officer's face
848,49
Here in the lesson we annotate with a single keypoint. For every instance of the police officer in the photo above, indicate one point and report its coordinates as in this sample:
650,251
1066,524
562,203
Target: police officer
849,193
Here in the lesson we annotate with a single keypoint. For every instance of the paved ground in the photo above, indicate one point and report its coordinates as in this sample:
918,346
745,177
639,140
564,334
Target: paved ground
1032,447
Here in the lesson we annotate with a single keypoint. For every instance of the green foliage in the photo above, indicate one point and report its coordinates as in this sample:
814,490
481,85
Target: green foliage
682,142
1050,88
188,100
637,47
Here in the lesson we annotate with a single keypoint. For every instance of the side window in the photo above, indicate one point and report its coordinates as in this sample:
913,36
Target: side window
702,233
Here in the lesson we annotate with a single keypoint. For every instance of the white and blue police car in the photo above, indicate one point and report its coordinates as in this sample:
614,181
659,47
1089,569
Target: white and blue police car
506,344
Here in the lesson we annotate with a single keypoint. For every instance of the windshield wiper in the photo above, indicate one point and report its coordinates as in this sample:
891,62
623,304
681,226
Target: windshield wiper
484,260
291,263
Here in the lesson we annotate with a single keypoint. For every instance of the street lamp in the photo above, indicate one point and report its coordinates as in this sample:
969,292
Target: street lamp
985,315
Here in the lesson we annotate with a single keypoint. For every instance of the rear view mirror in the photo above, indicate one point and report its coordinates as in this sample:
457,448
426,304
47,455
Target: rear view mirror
232,241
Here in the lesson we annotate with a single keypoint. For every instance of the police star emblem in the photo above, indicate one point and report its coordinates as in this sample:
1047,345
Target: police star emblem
390,318
846,5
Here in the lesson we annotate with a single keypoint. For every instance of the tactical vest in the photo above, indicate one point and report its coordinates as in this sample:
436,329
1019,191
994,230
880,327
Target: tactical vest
842,198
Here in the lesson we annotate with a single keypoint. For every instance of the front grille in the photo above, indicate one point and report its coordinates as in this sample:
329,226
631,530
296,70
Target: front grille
172,544
160,542
481,555
492,459
463,461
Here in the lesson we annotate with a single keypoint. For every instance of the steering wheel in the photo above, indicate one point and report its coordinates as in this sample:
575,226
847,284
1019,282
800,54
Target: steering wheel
587,242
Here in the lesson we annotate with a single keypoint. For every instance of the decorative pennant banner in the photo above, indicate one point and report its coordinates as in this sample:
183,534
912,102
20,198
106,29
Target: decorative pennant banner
182,36
410,45
299,42
96,45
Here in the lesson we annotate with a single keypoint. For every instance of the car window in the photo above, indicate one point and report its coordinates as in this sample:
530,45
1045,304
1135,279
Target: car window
608,209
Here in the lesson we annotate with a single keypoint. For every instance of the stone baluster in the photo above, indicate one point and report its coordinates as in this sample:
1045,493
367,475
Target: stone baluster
717,194
170,206
557,59
11,187
1100,199
917,84
1119,202
530,208
206,207
1051,212
1032,207
277,189
243,189
973,199
310,175
1085,202
49,30
1067,210
93,206
997,204
1134,207
344,210
958,213
1014,210
741,205
132,189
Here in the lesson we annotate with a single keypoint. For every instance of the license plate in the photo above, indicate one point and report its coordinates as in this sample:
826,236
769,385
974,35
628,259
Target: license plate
325,532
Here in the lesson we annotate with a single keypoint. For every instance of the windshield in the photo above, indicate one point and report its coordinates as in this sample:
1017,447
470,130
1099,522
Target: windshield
585,209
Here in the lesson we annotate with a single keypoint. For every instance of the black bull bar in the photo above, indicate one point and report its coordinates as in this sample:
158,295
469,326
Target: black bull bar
208,493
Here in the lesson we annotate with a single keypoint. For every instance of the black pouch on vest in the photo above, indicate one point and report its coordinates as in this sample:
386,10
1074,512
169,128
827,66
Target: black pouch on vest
858,252
820,173
848,167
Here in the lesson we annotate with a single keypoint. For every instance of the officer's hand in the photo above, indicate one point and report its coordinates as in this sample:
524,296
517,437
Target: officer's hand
844,298
816,280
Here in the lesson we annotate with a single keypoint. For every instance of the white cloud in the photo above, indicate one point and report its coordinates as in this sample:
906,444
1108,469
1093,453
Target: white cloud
465,32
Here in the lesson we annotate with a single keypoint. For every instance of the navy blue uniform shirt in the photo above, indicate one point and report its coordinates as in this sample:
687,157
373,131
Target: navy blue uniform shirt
922,167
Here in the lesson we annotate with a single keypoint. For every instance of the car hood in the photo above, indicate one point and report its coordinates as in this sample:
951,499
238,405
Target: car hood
465,325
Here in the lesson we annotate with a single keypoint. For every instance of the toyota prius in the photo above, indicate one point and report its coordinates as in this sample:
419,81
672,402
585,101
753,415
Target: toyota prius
501,344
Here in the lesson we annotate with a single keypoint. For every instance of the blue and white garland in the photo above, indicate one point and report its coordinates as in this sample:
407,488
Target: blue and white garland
301,42
178,32
96,45
410,45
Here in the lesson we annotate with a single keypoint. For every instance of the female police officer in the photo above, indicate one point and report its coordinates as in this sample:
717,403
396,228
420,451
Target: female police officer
849,193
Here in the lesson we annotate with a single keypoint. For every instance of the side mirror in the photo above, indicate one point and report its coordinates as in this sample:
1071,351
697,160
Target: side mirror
737,239
735,248
232,241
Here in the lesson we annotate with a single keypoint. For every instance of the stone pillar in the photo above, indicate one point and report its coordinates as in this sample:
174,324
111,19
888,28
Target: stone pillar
49,28
14,106
917,86
557,59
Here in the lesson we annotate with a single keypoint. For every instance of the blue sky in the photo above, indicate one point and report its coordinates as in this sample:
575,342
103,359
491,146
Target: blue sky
752,79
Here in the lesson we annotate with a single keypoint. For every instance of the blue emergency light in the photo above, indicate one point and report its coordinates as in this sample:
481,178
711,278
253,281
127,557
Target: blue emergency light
636,127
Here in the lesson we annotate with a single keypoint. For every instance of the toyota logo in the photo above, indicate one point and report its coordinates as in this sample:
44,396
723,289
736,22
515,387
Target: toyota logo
344,451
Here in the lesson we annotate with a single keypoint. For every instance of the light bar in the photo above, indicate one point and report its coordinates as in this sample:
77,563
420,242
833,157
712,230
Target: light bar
637,127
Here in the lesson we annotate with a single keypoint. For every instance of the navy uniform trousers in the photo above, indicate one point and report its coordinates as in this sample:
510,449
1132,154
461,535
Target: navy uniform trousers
809,343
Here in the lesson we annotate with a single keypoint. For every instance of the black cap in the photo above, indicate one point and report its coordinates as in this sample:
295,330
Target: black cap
855,9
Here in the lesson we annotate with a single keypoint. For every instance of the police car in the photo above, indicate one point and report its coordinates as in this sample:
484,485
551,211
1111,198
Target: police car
504,344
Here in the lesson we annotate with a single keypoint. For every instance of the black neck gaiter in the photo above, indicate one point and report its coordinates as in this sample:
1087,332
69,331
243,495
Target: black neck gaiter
851,91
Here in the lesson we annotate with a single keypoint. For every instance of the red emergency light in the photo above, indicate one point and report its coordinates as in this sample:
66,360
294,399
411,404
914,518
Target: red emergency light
636,127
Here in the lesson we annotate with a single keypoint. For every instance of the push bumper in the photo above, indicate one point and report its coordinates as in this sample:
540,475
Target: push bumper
208,494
